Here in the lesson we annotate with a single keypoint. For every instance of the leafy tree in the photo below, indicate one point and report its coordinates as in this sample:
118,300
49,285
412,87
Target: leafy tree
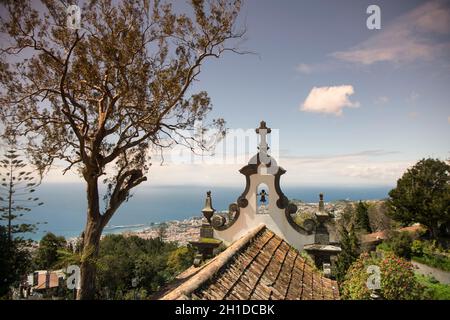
423,195
15,261
17,187
115,264
152,272
350,251
181,258
152,263
67,257
362,216
400,243
101,97
378,217
47,254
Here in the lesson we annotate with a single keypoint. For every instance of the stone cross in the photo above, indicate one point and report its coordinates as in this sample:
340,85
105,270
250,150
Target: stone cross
263,131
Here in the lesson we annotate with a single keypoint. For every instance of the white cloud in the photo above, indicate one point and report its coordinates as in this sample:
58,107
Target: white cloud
433,17
368,167
386,172
330,100
408,38
371,167
304,68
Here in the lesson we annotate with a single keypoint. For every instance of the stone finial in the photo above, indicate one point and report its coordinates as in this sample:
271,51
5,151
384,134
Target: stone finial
321,215
321,203
208,210
207,243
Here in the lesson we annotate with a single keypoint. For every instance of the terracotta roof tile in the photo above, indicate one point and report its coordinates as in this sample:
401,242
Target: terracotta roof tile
260,266
53,280
382,235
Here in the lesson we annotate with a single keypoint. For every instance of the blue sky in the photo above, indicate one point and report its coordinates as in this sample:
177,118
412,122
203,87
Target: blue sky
287,34
399,76
381,97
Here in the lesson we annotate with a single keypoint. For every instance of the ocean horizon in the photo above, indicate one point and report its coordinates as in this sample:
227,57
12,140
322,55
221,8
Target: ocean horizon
64,207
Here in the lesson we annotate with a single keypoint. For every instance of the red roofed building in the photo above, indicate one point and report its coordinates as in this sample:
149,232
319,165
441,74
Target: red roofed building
375,238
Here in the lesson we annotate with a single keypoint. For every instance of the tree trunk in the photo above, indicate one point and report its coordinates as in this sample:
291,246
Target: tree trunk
92,234
88,267
93,230
434,231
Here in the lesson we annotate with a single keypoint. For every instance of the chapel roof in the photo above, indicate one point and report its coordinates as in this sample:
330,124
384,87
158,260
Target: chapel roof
261,266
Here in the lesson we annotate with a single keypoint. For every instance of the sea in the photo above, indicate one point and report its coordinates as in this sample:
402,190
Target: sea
64,209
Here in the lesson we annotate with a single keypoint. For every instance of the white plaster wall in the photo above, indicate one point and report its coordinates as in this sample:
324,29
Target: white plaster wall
275,220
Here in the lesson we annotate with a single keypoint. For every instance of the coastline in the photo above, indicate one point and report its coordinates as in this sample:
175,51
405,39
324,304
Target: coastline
181,231
185,230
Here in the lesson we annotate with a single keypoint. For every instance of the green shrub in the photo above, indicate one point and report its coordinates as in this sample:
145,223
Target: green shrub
400,244
433,290
180,259
310,261
435,261
417,248
354,286
140,294
384,246
398,281
397,278
429,253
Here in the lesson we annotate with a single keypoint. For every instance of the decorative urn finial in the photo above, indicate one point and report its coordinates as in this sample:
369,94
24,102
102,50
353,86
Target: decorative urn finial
206,243
322,215
208,210
321,204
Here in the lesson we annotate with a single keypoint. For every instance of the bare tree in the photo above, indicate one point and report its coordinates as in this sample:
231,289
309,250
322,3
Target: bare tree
102,96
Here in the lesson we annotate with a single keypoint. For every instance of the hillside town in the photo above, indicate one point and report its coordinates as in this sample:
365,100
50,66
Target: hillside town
179,231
